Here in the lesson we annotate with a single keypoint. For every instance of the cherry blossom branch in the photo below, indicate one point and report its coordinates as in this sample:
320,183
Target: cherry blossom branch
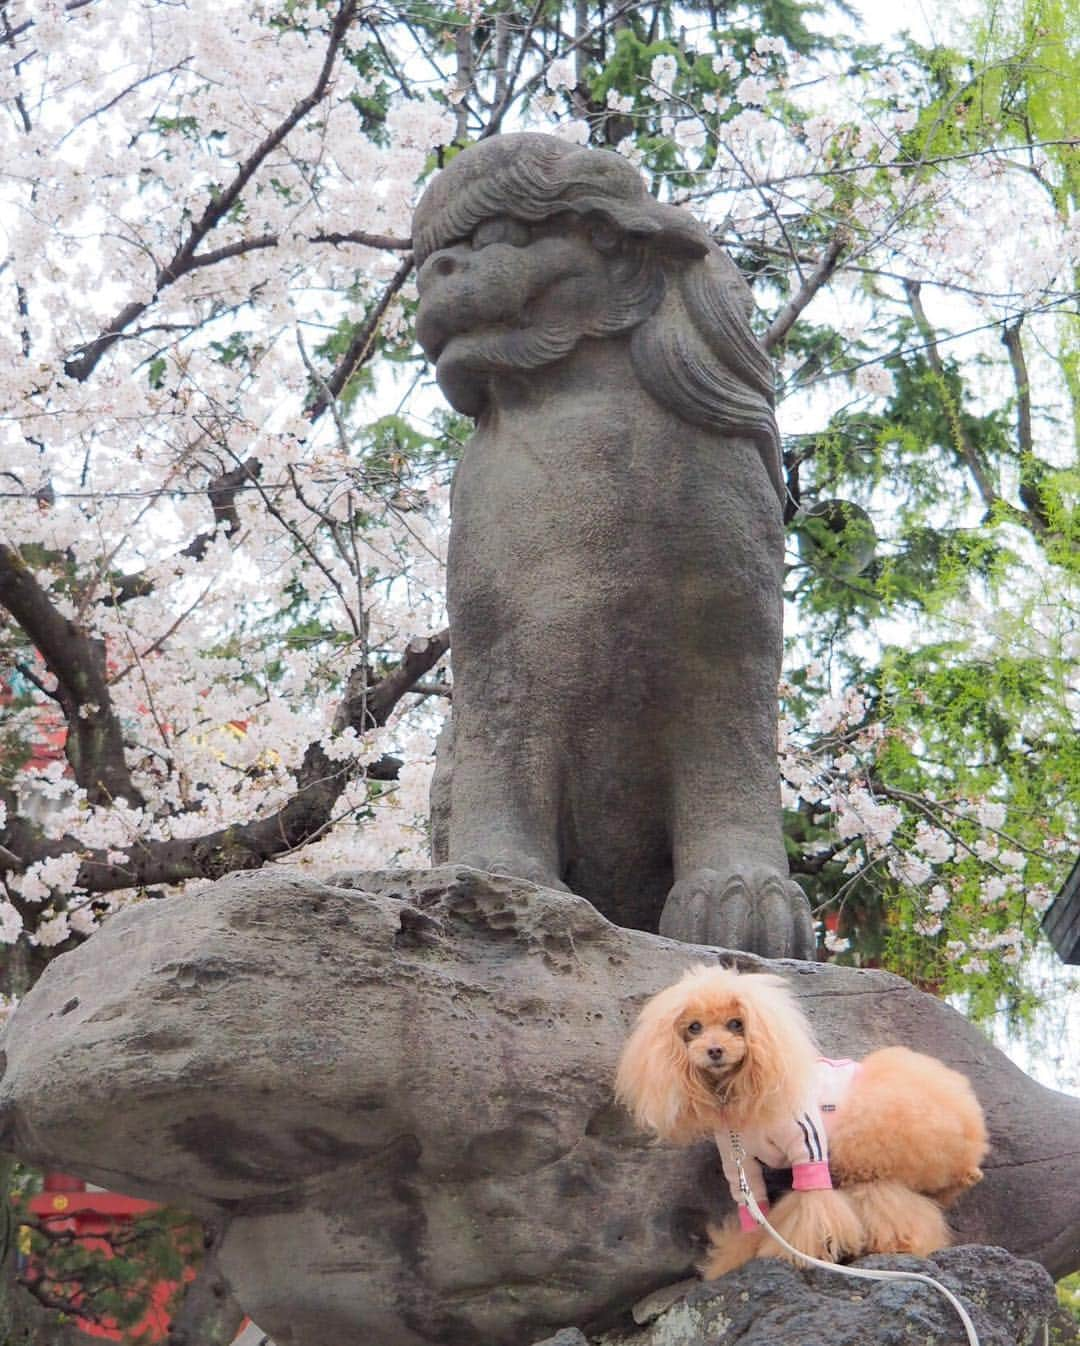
138,656
737,241
361,346
909,166
352,559
913,348
94,745
69,8
821,274
242,246
372,705
314,557
502,107
814,864
118,98
222,490
185,259
305,816
402,83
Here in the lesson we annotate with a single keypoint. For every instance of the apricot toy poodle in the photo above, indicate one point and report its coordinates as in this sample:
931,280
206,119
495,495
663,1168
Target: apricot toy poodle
899,1134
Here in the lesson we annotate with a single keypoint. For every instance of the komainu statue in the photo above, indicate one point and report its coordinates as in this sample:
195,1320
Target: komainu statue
616,548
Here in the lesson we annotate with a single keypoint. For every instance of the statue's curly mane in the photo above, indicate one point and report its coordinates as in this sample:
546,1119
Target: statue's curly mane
693,348
699,357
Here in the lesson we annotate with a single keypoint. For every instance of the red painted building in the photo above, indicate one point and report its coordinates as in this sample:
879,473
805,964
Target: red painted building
67,1204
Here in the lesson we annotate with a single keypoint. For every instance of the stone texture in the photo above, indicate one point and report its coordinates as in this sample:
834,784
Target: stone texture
769,1303
395,1091
614,577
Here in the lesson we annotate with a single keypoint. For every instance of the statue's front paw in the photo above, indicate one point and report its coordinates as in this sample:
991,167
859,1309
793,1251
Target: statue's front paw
769,916
515,866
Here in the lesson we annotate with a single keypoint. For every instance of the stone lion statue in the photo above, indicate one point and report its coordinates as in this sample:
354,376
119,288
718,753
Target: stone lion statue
616,548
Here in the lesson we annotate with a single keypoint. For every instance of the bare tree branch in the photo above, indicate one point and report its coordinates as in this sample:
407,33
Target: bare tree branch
463,45
503,36
1013,344
385,242
368,705
502,105
965,449
1030,496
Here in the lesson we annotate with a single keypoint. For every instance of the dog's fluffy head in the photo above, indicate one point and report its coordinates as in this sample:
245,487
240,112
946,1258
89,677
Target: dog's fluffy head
715,1050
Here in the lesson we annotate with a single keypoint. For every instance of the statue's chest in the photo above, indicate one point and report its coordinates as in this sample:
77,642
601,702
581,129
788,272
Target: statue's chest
643,467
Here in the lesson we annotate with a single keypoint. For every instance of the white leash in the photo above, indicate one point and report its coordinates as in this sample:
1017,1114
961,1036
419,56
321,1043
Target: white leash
861,1272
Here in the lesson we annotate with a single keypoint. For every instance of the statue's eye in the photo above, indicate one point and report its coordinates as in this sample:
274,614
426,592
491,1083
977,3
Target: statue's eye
693,1029
734,1025
604,238
501,230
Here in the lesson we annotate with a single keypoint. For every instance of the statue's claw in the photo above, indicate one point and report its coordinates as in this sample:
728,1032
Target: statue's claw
769,916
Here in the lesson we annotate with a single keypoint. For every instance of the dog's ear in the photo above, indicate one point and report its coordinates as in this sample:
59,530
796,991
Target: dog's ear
653,1080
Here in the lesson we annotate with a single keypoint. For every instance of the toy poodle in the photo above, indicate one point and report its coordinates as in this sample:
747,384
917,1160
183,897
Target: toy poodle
899,1134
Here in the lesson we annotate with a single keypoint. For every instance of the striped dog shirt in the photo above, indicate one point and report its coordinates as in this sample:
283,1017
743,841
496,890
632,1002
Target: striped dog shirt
800,1142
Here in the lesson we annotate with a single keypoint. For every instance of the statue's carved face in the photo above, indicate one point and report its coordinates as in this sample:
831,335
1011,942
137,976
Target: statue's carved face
513,296
531,247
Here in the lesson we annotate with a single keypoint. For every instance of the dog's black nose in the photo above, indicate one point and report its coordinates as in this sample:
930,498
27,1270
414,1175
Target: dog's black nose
716,1053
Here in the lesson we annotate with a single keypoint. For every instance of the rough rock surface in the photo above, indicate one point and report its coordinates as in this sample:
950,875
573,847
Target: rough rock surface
769,1303
396,1089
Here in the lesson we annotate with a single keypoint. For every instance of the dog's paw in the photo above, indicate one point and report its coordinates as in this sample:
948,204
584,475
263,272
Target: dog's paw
769,916
730,1246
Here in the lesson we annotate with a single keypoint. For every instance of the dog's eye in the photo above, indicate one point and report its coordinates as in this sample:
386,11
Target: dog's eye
734,1025
693,1029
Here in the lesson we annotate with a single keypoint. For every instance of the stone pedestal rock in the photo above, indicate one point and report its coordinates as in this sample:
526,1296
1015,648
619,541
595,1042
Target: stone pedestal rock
395,1091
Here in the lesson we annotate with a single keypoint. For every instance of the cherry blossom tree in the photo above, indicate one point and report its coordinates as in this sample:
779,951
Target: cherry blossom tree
224,468
225,471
